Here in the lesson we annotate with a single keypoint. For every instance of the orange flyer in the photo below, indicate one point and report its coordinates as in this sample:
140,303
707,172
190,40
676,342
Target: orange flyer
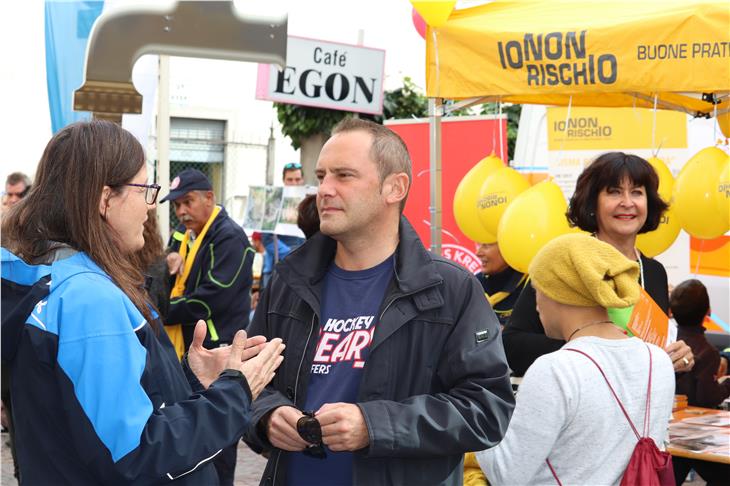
648,321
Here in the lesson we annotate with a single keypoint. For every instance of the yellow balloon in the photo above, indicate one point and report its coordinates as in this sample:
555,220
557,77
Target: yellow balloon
435,13
535,217
658,241
496,193
723,191
695,200
666,179
467,195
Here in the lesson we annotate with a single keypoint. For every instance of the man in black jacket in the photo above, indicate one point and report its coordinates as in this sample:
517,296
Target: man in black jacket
394,364
210,266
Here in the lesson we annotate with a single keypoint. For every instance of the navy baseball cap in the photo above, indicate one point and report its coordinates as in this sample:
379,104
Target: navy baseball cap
186,181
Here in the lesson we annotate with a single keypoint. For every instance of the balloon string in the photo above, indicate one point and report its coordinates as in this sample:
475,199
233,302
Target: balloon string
436,59
565,129
699,256
494,139
501,131
653,128
714,128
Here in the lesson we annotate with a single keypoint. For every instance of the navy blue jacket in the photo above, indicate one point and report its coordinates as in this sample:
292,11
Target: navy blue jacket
99,398
218,289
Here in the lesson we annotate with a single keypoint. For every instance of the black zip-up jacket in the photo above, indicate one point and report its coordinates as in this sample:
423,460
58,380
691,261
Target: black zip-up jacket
436,381
218,289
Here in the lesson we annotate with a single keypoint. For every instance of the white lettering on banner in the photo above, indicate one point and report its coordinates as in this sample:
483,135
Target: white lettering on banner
462,256
343,340
328,75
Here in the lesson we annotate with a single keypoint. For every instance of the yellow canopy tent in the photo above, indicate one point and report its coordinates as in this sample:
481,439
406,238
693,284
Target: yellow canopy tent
672,54
600,53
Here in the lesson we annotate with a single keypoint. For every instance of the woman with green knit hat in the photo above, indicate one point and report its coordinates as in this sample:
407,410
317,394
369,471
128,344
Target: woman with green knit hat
565,412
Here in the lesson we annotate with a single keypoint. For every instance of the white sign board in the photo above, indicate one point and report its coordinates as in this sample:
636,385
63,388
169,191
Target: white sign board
326,75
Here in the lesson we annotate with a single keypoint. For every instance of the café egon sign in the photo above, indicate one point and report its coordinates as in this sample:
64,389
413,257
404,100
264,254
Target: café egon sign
326,75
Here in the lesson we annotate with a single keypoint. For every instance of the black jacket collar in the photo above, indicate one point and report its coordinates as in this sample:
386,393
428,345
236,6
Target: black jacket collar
304,268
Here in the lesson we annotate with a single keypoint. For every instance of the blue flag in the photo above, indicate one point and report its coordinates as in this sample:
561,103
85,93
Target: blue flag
67,25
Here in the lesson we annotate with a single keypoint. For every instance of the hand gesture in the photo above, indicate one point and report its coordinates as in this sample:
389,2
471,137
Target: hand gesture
259,370
681,356
343,426
207,364
281,429
174,263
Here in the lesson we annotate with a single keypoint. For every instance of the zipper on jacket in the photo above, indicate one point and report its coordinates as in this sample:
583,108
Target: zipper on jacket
296,387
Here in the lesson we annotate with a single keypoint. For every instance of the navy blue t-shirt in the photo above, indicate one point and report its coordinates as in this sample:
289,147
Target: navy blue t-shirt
351,301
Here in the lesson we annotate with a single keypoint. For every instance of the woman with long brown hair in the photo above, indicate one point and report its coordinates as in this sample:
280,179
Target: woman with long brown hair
99,394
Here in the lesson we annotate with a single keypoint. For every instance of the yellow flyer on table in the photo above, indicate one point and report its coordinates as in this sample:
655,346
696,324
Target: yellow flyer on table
648,321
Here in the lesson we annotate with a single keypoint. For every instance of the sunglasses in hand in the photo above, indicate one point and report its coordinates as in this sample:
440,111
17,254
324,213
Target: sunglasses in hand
310,430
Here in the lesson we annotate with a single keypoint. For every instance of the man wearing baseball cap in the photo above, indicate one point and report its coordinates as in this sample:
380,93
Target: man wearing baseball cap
210,264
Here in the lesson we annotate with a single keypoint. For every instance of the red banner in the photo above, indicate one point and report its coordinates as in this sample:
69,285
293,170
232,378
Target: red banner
464,142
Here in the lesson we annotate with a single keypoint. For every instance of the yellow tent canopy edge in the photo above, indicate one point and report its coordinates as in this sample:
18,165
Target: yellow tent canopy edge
586,53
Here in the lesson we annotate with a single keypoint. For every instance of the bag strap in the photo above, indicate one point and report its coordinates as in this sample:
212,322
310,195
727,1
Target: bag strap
557,480
647,411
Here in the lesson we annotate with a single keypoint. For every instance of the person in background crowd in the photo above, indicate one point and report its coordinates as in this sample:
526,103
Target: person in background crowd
100,395
151,260
395,363
615,199
17,186
690,304
502,284
307,216
566,413
212,270
279,246
269,253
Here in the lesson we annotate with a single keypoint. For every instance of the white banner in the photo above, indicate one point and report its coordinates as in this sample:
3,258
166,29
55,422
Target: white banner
326,75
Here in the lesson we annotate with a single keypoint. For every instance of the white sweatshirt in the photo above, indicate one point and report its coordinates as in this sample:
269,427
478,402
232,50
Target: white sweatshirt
565,412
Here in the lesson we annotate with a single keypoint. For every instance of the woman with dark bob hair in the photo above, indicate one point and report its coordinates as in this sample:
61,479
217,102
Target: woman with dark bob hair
615,199
99,395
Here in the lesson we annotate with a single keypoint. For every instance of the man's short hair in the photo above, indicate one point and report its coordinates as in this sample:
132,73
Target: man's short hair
291,166
388,151
16,177
689,303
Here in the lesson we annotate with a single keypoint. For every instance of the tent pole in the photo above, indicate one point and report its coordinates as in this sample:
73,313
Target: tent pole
435,111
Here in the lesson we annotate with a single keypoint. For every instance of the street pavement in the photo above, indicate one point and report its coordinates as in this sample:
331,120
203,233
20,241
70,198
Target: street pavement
249,466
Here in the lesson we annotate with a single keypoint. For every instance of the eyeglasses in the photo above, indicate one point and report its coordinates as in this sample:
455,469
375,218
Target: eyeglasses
292,166
310,430
150,193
